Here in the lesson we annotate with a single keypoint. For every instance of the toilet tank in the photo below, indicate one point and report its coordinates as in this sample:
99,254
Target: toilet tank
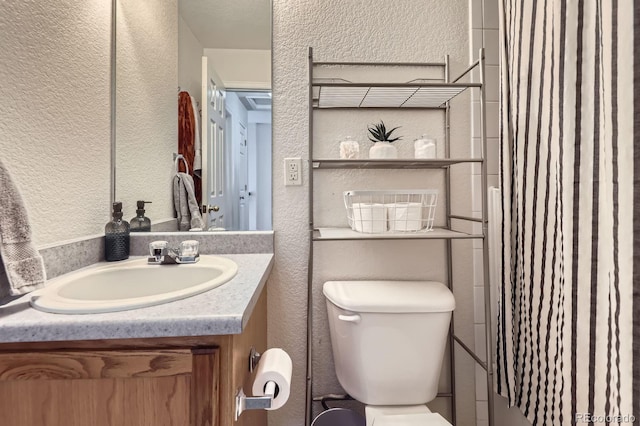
388,338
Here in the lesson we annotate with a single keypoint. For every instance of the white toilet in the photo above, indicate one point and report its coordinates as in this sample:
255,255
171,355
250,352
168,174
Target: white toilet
388,340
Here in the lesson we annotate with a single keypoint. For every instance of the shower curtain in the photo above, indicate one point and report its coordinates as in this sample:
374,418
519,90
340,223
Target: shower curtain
568,343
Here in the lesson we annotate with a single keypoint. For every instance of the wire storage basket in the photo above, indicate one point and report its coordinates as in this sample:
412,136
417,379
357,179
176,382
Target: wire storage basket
405,210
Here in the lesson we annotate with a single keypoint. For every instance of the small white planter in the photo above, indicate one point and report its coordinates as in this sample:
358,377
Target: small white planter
383,150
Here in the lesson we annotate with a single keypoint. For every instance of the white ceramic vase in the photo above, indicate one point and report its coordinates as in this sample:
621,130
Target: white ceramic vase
383,150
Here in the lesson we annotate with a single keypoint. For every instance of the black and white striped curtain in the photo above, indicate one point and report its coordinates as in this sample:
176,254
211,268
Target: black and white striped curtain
568,343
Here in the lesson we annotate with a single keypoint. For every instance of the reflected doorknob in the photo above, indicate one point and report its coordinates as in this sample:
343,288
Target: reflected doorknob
209,208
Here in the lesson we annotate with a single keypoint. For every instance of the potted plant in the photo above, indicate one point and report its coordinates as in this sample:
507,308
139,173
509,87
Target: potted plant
382,140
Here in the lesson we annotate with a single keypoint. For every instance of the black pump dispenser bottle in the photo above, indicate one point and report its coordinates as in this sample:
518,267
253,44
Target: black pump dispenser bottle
116,236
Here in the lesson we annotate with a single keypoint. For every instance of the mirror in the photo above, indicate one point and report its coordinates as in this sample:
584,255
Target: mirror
189,74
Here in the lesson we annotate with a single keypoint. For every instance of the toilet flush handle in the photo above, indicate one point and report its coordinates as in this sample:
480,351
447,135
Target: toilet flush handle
349,318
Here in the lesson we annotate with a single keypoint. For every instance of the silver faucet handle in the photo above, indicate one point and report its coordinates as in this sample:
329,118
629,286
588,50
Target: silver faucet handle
158,248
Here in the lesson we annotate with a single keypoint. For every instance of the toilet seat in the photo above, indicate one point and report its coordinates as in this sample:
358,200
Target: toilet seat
424,419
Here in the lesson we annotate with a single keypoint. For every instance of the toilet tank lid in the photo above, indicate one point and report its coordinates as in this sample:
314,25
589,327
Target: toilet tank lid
390,296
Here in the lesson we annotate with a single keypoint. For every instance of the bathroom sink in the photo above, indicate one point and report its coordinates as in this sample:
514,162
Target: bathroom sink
131,284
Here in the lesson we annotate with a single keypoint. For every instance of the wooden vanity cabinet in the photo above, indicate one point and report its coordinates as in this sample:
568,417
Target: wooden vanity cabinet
177,381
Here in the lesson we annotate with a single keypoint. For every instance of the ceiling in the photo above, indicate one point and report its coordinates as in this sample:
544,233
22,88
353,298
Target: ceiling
255,101
229,24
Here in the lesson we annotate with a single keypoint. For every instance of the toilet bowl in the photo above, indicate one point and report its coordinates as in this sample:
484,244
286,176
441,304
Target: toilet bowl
388,340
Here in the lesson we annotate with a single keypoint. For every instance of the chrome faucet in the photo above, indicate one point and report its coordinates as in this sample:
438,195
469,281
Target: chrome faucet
161,254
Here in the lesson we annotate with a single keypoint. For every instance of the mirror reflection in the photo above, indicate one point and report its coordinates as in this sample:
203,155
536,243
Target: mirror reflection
193,113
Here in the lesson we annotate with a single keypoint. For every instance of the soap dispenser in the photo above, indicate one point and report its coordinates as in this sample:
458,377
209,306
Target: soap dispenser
116,236
141,223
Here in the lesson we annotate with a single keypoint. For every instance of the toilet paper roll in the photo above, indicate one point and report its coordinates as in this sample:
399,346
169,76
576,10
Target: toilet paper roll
405,216
369,218
275,365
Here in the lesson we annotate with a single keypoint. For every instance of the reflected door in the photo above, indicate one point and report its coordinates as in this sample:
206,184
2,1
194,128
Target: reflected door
213,152
243,179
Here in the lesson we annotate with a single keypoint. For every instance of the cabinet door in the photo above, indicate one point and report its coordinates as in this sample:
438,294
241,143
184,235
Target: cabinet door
109,388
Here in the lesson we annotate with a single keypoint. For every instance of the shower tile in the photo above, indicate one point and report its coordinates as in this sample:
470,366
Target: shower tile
482,413
491,47
493,119
476,152
475,128
476,44
477,243
491,17
476,196
480,342
493,180
478,303
492,78
492,155
478,271
481,384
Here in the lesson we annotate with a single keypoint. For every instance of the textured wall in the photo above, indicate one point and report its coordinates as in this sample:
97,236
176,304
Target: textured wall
373,30
146,105
54,114
242,68
190,53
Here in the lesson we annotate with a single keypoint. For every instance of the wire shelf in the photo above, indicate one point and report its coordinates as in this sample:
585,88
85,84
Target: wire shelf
391,95
377,212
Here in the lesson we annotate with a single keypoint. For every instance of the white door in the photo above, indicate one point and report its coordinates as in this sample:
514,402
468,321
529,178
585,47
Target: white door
243,178
213,152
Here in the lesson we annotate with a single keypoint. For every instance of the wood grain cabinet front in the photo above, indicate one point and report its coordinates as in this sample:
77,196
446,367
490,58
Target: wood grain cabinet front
119,387
176,381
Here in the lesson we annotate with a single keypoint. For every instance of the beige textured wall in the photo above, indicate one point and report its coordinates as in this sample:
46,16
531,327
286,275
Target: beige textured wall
373,30
242,68
190,53
54,114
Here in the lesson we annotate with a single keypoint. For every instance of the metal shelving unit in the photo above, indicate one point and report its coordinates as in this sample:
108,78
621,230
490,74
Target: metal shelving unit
440,163
344,234
428,94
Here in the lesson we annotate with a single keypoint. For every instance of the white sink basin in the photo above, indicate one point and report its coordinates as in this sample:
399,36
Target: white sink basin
131,284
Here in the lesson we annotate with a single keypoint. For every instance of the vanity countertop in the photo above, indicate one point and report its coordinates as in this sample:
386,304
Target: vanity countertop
222,310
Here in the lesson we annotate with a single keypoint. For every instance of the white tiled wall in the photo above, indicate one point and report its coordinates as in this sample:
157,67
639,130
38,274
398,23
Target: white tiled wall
483,20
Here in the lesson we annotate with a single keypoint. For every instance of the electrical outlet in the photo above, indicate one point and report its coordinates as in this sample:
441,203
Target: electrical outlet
292,171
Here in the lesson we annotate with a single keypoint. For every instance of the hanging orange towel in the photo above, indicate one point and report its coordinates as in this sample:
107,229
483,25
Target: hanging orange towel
186,138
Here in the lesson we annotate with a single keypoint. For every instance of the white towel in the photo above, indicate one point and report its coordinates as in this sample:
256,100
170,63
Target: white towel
185,203
23,266
197,159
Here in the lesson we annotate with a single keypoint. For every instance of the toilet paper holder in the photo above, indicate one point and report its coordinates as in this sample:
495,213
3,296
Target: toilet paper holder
244,402
254,359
